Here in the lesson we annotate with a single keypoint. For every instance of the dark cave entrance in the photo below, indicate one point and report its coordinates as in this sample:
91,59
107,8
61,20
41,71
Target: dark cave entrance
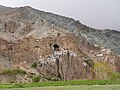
56,47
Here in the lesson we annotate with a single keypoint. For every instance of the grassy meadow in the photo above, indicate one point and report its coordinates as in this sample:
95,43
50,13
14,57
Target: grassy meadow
81,87
65,85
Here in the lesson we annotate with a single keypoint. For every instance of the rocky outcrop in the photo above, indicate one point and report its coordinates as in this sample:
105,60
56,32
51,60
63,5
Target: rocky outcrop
62,47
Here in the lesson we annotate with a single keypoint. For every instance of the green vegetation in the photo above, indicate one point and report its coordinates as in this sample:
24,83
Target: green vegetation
61,83
12,72
36,78
34,65
82,87
115,76
102,70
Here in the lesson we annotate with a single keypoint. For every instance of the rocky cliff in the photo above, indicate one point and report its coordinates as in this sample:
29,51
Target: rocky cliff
55,47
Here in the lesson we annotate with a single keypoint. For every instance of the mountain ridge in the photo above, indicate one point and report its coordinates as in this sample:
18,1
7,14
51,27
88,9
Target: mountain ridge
78,28
62,47
4,8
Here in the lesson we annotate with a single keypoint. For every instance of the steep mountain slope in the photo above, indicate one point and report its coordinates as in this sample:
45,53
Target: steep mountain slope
57,47
3,8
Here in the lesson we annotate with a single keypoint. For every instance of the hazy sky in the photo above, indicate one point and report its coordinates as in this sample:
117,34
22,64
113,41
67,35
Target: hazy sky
94,13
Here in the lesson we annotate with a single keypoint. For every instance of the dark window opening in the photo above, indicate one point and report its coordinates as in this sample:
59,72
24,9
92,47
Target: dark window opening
10,47
58,35
36,47
50,44
32,73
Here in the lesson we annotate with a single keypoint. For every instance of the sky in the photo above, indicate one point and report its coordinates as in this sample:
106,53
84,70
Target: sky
99,14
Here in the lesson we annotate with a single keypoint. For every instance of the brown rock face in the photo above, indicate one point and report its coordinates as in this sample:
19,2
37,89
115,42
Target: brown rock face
29,36
66,62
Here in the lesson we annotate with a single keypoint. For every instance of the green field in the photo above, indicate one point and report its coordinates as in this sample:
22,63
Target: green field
81,87
65,85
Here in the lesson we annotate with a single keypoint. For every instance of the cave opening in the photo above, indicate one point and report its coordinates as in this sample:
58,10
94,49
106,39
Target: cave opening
56,47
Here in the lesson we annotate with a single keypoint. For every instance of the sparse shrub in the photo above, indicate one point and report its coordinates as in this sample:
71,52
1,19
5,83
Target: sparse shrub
13,72
115,76
12,82
34,65
35,78
18,86
90,62
102,71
